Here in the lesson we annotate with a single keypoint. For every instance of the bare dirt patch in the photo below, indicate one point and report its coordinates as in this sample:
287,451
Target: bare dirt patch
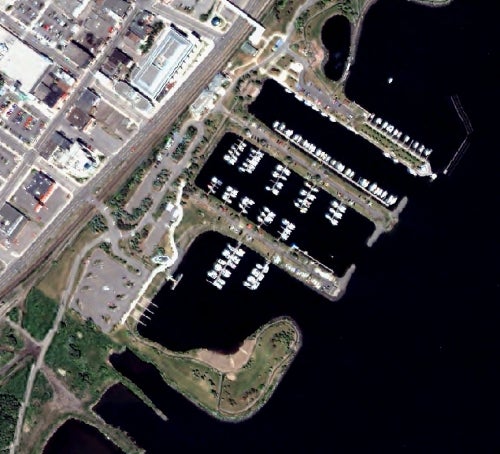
227,363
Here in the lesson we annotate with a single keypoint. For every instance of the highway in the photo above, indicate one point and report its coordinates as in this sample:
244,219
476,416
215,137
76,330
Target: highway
119,166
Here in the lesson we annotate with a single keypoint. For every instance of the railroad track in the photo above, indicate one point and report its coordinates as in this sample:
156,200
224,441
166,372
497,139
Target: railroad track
112,176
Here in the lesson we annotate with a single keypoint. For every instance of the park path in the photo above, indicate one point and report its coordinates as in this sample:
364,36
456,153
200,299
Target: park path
46,342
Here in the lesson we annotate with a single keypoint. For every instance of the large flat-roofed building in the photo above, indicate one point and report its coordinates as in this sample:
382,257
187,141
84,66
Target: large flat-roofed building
11,221
20,62
167,55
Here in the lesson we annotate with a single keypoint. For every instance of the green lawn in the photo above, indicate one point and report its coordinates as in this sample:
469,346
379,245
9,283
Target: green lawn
276,347
40,311
14,314
79,354
197,381
41,393
9,340
55,281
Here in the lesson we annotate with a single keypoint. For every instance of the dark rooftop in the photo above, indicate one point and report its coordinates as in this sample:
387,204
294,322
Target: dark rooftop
114,63
58,139
11,220
119,7
141,25
78,54
87,100
78,118
39,185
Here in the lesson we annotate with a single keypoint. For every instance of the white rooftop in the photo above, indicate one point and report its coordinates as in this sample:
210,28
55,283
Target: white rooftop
168,53
20,62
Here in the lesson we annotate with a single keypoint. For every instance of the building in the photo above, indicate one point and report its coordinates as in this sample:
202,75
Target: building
82,112
248,49
118,7
53,87
40,187
76,159
153,73
20,62
12,221
117,64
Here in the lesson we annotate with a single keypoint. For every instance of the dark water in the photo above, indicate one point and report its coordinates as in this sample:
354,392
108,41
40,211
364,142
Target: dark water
197,314
121,408
335,246
431,54
365,159
76,437
408,360
336,37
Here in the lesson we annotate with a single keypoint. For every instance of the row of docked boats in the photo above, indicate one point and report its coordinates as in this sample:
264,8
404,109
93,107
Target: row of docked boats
221,269
245,203
335,212
252,161
266,216
390,130
307,195
324,158
234,152
256,276
288,228
214,184
279,175
229,194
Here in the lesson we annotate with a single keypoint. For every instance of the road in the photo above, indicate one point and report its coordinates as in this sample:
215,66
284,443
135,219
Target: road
118,167
47,341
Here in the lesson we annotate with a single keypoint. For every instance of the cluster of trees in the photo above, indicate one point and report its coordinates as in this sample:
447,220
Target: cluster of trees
11,395
120,198
136,240
300,22
156,28
98,224
285,337
82,351
128,221
161,179
40,311
180,150
9,407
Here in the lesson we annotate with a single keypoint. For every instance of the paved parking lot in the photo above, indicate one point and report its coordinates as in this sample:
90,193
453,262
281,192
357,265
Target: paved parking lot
54,27
194,7
24,124
105,291
113,122
26,11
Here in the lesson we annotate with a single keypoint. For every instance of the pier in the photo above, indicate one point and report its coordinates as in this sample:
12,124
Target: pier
231,258
387,202
175,280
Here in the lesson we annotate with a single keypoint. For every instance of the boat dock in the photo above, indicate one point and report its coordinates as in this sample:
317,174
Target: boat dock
221,269
256,275
369,188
